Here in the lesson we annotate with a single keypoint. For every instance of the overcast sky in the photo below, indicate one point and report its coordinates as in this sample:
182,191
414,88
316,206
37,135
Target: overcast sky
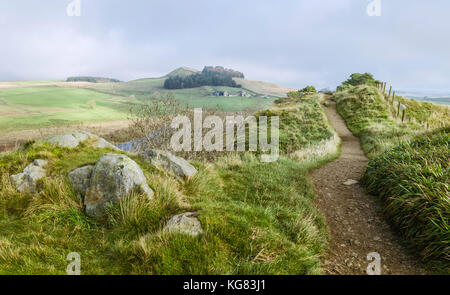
292,43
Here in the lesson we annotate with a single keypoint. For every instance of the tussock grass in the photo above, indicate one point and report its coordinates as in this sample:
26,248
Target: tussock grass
412,180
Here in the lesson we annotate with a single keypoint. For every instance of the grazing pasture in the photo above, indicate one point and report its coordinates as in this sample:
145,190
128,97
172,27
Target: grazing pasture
37,107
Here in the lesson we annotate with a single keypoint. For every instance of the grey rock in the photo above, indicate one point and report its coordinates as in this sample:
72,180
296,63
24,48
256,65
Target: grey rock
113,177
179,166
73,139
26,181
186,223
81,179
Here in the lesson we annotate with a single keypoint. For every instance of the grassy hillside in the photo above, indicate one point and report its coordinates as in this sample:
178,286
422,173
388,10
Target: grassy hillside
409,164
258,218
199,97
264,93
37,107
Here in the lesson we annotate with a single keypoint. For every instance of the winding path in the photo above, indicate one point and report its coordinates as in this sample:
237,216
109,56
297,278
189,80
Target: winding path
354,218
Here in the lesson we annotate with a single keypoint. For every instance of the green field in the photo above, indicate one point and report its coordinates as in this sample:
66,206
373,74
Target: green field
36,107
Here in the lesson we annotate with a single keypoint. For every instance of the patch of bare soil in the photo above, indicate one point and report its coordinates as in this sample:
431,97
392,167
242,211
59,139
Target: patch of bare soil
12,140
357,226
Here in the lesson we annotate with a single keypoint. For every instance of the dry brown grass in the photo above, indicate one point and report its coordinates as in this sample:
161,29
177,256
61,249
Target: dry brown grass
110,130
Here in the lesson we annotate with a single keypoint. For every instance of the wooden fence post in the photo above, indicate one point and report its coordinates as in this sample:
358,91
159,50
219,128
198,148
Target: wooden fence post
403,108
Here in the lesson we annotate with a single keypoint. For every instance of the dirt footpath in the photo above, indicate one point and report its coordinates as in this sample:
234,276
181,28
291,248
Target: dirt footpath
356,224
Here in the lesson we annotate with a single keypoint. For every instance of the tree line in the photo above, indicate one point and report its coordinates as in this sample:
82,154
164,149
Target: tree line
210,76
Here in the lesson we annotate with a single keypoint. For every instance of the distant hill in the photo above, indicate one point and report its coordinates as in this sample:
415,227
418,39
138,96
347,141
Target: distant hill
258,95
182,71
91,79
157,84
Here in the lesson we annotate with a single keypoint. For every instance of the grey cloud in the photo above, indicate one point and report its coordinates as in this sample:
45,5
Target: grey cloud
288,42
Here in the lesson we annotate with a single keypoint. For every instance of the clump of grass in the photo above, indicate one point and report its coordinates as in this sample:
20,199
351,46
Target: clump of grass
412,181
135,215
56,201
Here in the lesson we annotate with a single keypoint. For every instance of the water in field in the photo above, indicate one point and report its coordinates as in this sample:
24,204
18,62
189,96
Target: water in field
140,144
130,146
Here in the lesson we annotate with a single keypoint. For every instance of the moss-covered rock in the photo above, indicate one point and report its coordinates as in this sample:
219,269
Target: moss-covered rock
113,177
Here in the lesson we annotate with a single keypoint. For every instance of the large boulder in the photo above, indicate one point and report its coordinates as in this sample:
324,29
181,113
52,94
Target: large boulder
26,181
81,179
73,139
186,223
179,166
113,177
